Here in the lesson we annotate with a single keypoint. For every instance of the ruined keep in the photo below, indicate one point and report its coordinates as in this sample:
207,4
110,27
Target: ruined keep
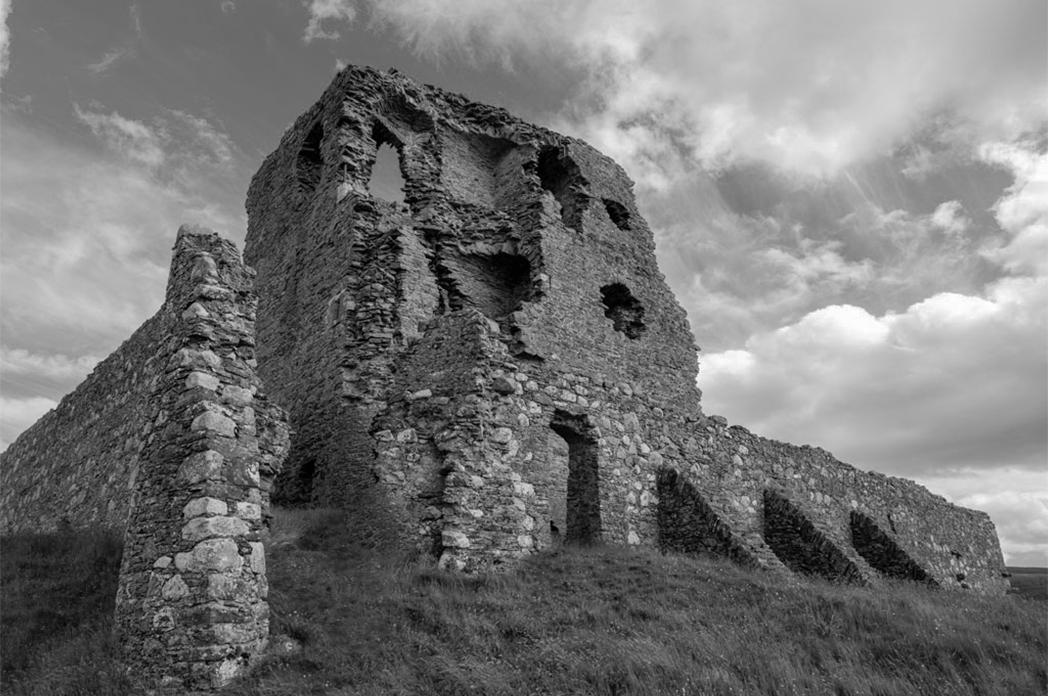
494,366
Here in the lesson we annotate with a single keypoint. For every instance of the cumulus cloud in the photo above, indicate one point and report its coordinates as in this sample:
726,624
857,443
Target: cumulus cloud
950,218
330,12
1023,211
811,86
954,381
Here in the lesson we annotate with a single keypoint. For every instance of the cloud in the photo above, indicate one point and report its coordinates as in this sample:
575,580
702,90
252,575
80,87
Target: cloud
18,414
132,139
228,7
115,55
199,137
321,11
1023,211
811,86
950,218
108,60
57,366
87,227
5,36
954,381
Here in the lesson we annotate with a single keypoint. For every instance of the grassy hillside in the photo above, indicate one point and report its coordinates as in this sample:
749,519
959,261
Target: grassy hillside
57,593
580,621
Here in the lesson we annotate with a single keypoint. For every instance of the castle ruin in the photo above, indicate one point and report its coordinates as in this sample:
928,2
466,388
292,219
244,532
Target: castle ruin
494,366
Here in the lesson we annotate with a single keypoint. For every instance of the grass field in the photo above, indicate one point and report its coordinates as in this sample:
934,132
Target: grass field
574,621
1030,582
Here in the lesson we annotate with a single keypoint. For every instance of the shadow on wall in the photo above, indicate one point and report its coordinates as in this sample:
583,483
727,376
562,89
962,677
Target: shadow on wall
883,554
583,495
802,547
687,524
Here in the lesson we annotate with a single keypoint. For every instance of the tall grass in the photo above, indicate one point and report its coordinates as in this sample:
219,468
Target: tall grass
572,621
57,593
620,621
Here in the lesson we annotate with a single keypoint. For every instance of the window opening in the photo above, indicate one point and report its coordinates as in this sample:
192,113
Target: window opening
309,165
387,181
618,214
624,310
559,175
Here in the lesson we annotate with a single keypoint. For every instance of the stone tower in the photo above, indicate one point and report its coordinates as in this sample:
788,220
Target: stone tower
490,350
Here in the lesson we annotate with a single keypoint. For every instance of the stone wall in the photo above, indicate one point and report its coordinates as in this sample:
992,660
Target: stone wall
172,440
498,363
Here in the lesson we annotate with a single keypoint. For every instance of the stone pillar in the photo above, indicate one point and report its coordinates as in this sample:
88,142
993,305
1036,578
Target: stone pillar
191,605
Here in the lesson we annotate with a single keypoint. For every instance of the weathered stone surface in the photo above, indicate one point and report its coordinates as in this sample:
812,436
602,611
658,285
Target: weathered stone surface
206,527
216,422
204,506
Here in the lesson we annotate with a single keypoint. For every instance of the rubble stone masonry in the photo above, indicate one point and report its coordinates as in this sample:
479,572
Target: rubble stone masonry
493,367
171,440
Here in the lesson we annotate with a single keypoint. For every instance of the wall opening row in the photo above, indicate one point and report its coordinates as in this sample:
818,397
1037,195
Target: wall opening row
688,524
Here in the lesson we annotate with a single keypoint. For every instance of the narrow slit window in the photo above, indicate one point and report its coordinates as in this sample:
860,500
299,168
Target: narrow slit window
309,165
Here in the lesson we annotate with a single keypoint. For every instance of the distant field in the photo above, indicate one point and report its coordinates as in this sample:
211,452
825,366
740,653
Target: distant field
1029,582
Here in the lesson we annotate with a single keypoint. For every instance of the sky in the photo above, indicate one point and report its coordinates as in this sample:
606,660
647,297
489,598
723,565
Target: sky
850,199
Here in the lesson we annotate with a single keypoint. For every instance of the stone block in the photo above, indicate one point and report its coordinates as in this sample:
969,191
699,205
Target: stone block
204,506
208,527
175,588
202,466
203,380
214,422
454,539
257,559
210,555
